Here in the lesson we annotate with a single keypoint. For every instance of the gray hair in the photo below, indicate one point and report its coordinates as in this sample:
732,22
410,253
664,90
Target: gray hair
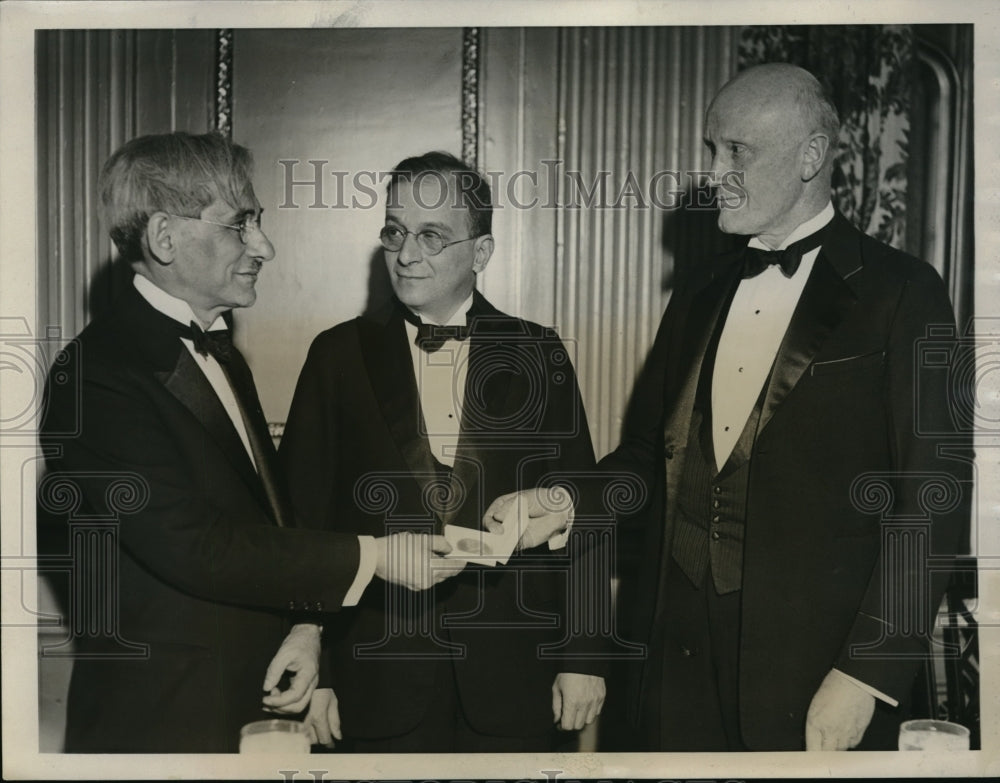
179,173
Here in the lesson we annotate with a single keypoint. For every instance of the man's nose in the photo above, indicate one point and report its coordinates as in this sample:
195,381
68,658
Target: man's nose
410,251
259,246
714,172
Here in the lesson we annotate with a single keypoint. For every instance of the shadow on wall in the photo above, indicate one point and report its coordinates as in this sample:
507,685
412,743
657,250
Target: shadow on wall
379,285
110,280
690,235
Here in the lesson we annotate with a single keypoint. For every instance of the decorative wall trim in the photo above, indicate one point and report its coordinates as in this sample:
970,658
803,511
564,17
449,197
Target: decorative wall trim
224,82
471,39
949,249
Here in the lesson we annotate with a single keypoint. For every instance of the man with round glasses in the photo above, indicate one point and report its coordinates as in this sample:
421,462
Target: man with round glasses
209,564
421,414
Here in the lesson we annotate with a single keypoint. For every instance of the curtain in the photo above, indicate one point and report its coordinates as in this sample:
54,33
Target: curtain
868,70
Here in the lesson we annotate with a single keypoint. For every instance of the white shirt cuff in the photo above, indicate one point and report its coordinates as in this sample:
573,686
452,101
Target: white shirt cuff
869,689
559,540
366,570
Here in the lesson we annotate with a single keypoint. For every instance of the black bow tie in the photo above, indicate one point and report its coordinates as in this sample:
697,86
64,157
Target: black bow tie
431,337
756,260
218,343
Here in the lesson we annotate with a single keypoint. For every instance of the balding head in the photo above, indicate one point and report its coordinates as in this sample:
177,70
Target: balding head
773,132
791,95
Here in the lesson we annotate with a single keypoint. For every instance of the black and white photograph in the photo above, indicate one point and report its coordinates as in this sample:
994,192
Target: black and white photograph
537,391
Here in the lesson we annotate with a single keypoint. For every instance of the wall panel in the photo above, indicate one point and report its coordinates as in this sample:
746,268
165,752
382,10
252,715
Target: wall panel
596,114
95,90
355,101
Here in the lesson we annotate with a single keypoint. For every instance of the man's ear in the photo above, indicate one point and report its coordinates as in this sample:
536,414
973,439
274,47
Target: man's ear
814,154
484,250
159,241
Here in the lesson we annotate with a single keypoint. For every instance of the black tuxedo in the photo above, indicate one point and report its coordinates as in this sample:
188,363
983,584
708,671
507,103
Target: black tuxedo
203,571
841,402
358,461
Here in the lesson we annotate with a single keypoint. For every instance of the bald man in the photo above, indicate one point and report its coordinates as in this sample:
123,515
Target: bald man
779,614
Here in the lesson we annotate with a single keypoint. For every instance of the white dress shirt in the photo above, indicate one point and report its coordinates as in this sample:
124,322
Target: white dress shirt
758,319
181,312
441,386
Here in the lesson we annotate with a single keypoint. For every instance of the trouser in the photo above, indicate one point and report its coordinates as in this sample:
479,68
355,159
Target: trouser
444,728
691,700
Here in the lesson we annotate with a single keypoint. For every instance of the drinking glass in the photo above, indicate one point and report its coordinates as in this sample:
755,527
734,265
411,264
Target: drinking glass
933,735
274,736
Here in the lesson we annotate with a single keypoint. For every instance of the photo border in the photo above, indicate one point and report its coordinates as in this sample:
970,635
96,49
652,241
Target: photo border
19,20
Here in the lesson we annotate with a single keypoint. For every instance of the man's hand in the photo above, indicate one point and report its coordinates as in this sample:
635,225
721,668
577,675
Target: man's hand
407,559
543,514
322,722
576,700
299,654
838,715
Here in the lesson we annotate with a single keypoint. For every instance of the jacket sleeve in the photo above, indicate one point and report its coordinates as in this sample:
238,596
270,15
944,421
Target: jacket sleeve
589,572
307,457
930,492
191,522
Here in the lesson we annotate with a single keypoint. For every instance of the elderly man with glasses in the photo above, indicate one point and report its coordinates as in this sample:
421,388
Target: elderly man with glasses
209,567
420,415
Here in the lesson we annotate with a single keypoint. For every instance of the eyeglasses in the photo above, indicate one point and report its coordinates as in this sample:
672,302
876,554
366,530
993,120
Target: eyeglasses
246,227
431,242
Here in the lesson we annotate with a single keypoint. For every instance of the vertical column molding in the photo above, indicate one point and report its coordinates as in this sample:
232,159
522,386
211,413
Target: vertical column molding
947,247
470,95
561,110
630,107
224,82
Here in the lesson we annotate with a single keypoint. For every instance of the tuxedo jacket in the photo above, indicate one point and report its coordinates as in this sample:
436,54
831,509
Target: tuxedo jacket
203,572
358,460
852,444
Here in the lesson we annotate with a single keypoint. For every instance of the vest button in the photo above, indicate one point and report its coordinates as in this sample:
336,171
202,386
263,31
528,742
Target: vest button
717,490
715,535
669,453
716,504
716,519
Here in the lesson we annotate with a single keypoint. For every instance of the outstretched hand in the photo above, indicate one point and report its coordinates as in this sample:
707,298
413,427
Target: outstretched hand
408,559
542,514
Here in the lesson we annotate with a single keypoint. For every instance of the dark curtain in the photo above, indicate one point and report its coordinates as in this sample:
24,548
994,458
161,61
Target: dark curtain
868,70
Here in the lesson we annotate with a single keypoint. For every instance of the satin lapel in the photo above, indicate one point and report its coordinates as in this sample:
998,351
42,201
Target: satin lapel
825,300
189,385
151,339
387,358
